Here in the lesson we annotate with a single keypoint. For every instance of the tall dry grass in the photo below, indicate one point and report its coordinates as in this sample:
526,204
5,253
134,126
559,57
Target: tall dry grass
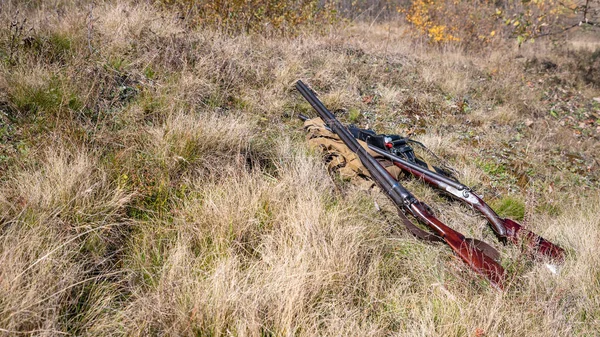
155,181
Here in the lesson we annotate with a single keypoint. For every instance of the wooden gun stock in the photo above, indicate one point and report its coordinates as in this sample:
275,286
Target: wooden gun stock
504,228
462,247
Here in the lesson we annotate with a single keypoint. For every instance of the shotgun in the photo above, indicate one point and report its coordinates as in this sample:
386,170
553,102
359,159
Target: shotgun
404,200
504,228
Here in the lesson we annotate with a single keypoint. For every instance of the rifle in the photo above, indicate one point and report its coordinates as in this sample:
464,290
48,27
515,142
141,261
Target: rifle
391,146
404,200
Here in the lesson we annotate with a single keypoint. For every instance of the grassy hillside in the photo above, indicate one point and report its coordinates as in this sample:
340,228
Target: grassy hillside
154,179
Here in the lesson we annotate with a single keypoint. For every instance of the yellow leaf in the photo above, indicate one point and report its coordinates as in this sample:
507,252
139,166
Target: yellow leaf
493,33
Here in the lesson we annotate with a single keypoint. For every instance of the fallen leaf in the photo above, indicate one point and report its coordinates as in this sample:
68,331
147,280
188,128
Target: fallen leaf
479,332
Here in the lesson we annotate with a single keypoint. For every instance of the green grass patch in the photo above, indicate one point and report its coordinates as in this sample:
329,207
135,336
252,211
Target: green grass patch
354,115
117,63
152,104
58,47
154,204
32,99
146,253
44,98
149,73
304,108
491,168
509,207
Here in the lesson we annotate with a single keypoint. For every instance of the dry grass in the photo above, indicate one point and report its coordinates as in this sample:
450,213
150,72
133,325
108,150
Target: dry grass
155,181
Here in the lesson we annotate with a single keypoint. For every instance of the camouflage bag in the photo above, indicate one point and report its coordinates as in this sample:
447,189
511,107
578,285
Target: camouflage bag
340,158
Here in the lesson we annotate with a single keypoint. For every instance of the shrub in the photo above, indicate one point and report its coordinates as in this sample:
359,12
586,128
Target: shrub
423,15
478,22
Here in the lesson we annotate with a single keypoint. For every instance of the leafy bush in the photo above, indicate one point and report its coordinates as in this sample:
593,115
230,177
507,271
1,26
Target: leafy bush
480,21
425,18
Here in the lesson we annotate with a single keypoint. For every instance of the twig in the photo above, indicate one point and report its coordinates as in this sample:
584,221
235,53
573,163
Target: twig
16,32
584,19
377,16
585,10
90,27
363,12
581,23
